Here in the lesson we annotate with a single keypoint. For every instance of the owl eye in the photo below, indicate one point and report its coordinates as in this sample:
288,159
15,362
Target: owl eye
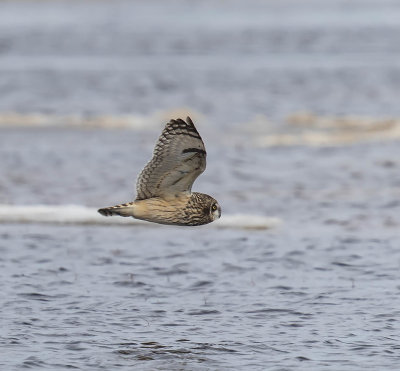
214,207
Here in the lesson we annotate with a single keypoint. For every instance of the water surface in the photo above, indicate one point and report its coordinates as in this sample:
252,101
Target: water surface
85,90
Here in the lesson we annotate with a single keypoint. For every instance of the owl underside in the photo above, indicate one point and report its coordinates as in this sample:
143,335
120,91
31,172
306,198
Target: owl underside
183,210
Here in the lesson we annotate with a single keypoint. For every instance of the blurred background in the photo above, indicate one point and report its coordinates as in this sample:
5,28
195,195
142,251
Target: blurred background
227,60
297,102
260,74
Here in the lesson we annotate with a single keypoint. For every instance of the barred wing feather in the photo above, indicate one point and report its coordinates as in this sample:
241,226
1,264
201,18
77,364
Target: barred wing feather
179,158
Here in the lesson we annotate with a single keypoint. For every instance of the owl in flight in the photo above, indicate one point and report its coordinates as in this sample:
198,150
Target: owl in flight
164,186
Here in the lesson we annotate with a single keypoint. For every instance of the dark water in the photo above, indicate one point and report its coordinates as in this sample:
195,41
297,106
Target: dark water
319,292
121,298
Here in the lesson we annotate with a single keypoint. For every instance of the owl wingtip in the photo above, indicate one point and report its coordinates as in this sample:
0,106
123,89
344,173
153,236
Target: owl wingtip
179,120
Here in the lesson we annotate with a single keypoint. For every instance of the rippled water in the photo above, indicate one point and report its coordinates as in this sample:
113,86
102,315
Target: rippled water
318,292
120,298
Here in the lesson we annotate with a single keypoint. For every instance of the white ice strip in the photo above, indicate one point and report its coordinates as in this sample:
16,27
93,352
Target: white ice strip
154,121
75,214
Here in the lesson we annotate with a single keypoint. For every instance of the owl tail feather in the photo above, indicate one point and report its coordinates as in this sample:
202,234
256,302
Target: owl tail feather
122,210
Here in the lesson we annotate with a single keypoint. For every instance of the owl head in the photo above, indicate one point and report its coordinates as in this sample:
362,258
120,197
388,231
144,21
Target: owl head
204,209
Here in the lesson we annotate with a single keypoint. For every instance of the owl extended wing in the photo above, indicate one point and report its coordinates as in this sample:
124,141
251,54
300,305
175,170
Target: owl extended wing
178,159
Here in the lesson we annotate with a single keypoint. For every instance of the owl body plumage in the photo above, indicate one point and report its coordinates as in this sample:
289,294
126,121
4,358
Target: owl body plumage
182,210
164,185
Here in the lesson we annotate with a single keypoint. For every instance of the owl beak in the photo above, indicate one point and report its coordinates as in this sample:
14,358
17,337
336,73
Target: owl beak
219,211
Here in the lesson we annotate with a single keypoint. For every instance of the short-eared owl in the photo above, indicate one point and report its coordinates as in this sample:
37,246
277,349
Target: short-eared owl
164,186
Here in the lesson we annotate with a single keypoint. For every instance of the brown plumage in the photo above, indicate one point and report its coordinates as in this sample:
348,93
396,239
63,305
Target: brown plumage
164,185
